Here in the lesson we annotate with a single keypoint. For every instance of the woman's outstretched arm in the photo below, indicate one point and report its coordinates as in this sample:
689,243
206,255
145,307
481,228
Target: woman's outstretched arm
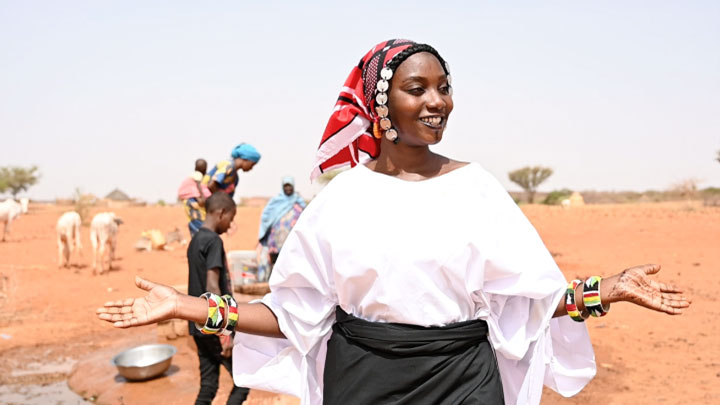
163,302
635,285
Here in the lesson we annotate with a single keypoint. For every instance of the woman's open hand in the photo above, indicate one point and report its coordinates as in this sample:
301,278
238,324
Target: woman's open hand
635,285
160,304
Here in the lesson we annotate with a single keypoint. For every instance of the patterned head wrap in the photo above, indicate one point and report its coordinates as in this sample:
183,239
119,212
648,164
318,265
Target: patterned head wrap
349,130
245,151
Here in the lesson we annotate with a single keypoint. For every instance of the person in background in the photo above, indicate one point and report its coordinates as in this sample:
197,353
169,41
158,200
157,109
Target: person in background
223,176
208,272
193,194
278,218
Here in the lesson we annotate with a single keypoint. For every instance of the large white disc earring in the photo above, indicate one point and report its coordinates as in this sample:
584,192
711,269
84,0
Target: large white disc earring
392,135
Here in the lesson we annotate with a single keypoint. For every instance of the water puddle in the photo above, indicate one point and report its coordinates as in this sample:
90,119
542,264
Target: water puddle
57,393
61,366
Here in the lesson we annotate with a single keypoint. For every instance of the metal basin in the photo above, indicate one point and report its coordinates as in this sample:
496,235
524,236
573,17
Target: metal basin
144,362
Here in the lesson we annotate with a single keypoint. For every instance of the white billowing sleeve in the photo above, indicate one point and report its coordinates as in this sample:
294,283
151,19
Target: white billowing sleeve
303,299
517,294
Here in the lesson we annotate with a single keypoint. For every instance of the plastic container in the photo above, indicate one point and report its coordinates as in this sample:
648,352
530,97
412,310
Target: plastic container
243,266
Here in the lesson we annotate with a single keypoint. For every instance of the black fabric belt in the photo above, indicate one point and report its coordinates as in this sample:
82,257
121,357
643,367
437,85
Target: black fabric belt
392,363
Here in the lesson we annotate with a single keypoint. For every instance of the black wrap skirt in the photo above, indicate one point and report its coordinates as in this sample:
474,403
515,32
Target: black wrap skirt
392,363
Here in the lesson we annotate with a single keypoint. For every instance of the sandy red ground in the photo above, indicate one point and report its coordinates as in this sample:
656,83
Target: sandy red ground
47,314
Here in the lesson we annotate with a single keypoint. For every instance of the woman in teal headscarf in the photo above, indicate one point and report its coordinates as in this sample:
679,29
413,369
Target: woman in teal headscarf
278,218
223,176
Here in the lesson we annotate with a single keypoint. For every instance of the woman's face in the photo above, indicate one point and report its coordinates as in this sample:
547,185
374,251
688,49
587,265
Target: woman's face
419,101
244,164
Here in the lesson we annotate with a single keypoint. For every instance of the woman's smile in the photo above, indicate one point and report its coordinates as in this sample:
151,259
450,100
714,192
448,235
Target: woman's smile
433,121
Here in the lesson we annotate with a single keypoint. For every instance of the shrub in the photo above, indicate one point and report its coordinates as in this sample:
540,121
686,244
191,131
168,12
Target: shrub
555,197
81,205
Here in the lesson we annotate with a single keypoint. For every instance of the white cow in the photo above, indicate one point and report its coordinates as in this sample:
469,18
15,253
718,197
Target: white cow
103,234
68,237
9,210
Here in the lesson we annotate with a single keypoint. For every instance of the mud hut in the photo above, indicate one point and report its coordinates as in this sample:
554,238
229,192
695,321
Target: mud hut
576,199
117,199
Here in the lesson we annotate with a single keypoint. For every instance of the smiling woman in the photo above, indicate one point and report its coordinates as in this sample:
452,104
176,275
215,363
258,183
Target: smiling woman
412,278
421,99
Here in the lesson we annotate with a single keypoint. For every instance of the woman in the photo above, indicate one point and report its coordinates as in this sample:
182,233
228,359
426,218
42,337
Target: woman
193,194
388,292
223,176
278,218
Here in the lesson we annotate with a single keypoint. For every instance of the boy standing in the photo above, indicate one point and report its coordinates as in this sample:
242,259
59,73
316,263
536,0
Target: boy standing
208,272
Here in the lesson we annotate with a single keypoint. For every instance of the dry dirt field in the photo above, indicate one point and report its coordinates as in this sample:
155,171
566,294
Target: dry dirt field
48,330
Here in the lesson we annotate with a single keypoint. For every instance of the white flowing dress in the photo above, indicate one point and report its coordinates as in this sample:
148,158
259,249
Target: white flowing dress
448,249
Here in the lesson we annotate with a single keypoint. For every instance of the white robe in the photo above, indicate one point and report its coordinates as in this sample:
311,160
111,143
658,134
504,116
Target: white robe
433,252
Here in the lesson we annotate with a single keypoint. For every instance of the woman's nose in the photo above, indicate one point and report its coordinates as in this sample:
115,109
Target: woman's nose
435,100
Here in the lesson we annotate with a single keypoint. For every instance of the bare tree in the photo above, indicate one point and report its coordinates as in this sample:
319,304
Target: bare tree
686,188
529,178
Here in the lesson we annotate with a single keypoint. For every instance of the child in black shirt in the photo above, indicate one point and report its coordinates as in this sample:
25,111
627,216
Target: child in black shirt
208,272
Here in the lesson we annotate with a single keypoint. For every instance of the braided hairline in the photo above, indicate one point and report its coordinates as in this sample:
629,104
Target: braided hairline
401,56
395,62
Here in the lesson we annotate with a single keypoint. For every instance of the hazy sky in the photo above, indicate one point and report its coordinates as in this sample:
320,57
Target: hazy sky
613,95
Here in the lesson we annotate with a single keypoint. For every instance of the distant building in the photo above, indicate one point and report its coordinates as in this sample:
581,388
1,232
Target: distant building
576,199
117,195
118,199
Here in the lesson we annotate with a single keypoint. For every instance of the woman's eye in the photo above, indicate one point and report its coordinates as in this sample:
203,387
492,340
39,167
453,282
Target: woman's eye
416,91
445,89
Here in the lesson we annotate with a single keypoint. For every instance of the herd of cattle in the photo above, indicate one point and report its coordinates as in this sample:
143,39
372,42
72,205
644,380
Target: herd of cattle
103,233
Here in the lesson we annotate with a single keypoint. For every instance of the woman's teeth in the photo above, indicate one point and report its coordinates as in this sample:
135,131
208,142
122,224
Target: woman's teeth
432,121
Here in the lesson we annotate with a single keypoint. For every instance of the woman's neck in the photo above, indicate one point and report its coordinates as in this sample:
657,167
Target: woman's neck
407,162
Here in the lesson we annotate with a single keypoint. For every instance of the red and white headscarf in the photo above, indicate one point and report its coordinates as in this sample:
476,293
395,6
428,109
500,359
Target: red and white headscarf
349,130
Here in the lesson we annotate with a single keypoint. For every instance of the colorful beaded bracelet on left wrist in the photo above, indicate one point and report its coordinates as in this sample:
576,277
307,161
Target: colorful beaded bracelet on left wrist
216,314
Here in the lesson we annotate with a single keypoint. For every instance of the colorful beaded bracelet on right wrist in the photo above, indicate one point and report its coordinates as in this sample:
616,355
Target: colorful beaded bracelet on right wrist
591,297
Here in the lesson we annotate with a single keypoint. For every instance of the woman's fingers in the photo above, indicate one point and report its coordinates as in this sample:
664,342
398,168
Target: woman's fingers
119,320
669,288
120,303
650,268
668,303
660,286
124,324
124,321
673,296
105,317
116,310
672,310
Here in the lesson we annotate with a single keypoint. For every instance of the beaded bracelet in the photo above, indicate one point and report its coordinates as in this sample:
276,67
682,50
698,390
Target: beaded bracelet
570,301
591,297
232,315
216,314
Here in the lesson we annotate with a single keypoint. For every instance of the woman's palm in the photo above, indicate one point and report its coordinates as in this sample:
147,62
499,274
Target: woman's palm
158,305
636,286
